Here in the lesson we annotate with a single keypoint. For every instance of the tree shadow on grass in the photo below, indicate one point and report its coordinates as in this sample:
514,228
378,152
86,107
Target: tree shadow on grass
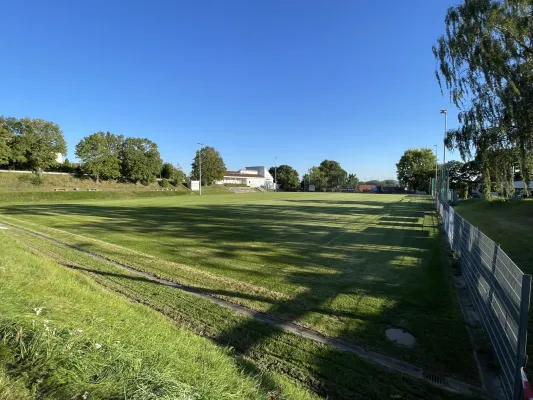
339,268
325,370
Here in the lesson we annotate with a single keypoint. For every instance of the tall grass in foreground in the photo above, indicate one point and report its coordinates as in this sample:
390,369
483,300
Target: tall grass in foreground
12,389
63,337
60,362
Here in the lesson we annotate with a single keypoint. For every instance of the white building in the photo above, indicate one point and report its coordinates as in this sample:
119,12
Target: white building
520,185
249,176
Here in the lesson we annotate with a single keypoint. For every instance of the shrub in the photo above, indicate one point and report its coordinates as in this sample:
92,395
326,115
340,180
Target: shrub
146,182
25,178
31,178
36,180
463,190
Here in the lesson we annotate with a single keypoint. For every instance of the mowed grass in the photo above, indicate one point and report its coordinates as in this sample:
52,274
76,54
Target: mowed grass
62,336
510,224
69,197
275,358
346,265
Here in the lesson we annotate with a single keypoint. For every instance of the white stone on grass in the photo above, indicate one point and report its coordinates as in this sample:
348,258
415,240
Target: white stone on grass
400,336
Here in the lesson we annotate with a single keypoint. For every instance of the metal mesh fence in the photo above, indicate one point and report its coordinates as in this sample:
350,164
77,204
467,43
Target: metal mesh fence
499,290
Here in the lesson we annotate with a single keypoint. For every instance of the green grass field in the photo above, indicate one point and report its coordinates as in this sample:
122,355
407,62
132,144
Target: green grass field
64,337
510,224
346,265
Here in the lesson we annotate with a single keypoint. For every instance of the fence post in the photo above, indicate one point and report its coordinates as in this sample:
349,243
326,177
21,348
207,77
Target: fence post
522,335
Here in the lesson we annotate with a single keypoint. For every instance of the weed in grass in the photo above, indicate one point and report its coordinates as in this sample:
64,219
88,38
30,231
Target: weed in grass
13,388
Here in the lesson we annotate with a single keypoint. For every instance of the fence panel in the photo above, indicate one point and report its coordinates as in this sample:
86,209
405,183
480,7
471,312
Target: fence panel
499,290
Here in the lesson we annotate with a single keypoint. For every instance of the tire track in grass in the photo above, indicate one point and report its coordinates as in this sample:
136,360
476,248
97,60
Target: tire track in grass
445,383
107,246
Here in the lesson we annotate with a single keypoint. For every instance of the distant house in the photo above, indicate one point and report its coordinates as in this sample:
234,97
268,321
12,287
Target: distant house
249,176
366,188
518,186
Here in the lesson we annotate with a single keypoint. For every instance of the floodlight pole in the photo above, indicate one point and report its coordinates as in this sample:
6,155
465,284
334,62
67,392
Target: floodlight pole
445,112
436,167
200,162
276,174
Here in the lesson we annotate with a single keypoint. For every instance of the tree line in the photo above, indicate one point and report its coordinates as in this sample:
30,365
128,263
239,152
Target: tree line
329,175
35,144
30,143
104,155
417,167
485,62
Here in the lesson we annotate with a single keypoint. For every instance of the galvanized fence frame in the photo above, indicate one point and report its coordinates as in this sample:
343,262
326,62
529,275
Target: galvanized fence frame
499,290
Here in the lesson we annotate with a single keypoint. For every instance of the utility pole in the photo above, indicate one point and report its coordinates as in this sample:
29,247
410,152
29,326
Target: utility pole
200,161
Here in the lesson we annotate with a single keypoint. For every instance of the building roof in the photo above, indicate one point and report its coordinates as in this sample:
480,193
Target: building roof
520,184
239,174
366,187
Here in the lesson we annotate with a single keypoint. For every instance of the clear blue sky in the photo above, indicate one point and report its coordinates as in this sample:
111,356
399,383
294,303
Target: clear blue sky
303,80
